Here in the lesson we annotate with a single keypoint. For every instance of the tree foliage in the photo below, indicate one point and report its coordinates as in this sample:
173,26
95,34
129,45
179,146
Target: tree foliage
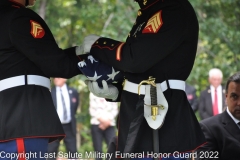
219,39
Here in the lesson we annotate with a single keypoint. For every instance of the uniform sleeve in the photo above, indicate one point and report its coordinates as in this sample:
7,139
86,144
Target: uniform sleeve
31,36
141,52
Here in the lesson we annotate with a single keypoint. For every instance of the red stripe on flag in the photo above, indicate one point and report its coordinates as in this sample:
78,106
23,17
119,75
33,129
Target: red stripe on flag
20,148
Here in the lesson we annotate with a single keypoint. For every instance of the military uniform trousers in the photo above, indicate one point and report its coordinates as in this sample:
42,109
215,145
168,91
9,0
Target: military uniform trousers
24,149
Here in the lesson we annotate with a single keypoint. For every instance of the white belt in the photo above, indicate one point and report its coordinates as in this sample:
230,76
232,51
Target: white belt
20,80
173,84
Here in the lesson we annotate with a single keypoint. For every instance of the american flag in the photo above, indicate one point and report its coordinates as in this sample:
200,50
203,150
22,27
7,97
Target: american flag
96,70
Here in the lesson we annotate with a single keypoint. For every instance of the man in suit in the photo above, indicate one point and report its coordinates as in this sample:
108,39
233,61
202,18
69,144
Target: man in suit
66,101
212,100
223,131
192,97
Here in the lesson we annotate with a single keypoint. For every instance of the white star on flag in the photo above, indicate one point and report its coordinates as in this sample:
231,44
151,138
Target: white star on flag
111,76
82,64
91,59
95,77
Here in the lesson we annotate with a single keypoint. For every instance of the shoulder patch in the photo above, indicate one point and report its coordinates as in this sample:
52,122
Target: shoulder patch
154,23
36,29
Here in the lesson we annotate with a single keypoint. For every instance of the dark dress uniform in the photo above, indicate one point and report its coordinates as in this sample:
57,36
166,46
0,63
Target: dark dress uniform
27,47
162,44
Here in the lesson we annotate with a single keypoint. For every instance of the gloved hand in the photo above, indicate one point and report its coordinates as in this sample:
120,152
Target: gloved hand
108,91
87,44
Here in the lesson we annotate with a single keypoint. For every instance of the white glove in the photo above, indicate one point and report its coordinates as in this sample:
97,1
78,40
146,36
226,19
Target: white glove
108,91
87,44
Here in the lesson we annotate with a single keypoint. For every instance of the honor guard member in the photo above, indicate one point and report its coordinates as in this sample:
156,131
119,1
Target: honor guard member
29,55
161,44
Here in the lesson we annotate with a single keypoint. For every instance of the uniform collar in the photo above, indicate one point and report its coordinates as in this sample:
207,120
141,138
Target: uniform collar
145,4
16,4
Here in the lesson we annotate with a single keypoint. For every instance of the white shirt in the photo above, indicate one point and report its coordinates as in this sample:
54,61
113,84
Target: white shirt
219,96
234,119
60,106
100,108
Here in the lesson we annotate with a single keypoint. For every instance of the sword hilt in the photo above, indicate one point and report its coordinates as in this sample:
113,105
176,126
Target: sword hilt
150,81
153,92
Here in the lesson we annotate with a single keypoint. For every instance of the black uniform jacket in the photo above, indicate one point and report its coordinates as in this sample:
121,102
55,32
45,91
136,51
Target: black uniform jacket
162,44
223,138
27,47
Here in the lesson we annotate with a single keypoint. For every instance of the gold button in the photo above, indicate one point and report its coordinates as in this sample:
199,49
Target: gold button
97,42
144,2
139,13
112,44
104,42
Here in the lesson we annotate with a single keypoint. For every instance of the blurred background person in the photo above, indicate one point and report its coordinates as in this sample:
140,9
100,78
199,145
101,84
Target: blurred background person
212,99
103,122
191,96
66,101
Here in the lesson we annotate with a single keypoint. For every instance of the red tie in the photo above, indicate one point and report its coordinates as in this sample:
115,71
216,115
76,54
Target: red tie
215,105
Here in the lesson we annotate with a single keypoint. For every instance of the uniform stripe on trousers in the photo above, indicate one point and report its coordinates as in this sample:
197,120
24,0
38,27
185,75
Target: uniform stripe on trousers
24,149
20,148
